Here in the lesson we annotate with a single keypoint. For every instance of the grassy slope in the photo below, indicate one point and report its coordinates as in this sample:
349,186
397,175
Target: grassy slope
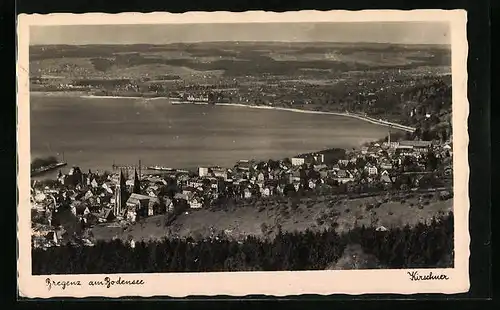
247,220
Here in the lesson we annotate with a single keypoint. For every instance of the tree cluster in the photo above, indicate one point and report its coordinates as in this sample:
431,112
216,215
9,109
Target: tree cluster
420,246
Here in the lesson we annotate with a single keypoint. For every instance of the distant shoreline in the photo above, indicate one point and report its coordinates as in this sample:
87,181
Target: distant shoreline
360,117
357,116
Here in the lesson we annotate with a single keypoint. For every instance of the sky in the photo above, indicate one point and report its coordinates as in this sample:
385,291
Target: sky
369,32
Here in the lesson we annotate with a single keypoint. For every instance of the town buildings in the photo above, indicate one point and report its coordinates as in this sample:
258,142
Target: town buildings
99,199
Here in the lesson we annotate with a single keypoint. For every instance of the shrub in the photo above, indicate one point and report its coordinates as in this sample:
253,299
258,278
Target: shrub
263,228
347,210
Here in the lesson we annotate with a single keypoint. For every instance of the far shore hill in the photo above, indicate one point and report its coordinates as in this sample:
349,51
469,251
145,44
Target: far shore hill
302,109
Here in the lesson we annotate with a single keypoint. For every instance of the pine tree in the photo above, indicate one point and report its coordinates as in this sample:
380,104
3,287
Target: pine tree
137,184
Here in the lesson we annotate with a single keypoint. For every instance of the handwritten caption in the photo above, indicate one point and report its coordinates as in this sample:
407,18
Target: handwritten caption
106,282
415,276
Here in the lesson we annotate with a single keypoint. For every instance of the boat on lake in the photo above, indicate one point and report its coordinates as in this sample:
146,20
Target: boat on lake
160,168
44,169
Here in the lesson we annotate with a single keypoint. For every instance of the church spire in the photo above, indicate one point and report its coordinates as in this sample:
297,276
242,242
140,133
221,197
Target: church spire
120,195
122,179
137,184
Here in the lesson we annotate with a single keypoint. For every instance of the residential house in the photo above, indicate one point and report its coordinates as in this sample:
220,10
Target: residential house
39,196
387,165
385,177
141,205
448,170
312,184
169,204
405,150
393,144
156,180
243,165
131,213
320,167
297,161
182,179
76,196
219,172
180,196
194,183
94,183
265,191
106,215
318,158
188,191
202,171
247,193
341,173
280,189
343,162
55,236
371,169
108,186
88,195
195,202
79,209
344,176
419,145
261,177
294,176
214,185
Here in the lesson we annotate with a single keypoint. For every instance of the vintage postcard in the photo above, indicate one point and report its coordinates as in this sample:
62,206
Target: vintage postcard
253,153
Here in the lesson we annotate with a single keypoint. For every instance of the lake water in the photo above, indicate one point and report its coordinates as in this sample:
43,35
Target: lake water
95,133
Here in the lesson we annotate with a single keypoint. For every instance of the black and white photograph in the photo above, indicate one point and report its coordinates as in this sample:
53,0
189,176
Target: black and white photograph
243,146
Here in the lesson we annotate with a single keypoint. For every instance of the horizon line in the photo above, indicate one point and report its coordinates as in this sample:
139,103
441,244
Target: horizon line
243,41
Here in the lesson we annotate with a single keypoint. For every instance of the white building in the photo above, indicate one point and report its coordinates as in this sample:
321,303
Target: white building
297,161
202,171
372,170
195,203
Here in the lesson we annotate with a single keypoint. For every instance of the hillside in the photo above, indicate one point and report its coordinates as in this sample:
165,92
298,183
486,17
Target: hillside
262,219
237,59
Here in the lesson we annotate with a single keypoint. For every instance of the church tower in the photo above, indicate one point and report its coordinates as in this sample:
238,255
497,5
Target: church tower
137,184
120,195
